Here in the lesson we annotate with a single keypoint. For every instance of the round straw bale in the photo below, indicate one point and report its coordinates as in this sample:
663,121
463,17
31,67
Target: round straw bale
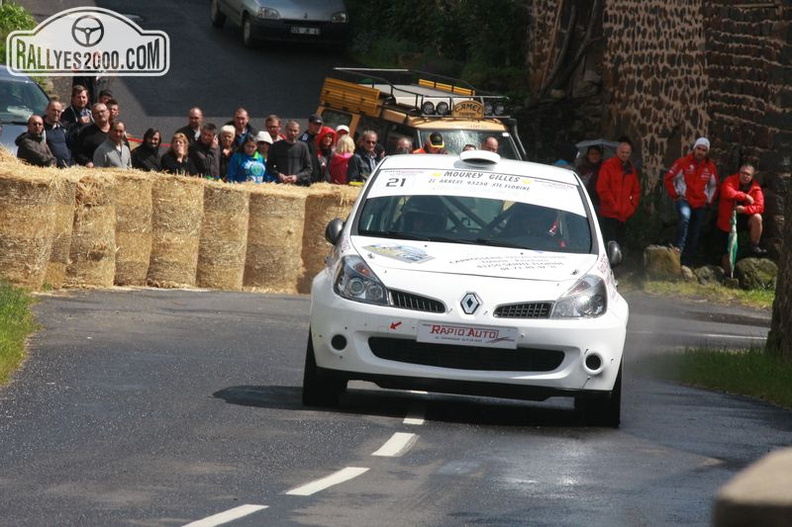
133,227
273,262
324,203
93,247
221,254
26,209
176,219
65,191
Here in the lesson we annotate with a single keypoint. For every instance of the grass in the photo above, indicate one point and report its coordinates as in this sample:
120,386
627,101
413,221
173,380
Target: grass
750,372
16,324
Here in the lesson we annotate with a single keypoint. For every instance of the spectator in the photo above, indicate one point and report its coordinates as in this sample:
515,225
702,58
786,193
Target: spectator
113,109
490,144
226,146
468,147
55,133
619,193
434,145
364,161
588,170
104,96
192,130
203,156
273,125
175,160
113,152
309,137
78,114
146,156
340,130
242,127
567,153
91,136
740,193
290,159
325,144
692,182
404,146
263,143
339,164
246,164
32,145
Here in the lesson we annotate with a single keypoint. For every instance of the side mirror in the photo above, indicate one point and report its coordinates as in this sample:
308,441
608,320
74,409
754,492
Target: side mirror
614,251
333,230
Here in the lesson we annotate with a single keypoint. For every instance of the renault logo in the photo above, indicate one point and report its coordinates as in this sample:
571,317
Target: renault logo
470,303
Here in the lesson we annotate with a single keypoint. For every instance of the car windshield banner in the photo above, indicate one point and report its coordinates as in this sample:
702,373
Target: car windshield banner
88,41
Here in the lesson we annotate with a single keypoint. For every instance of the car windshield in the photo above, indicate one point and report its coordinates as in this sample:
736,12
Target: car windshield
19,100
457,215
455,140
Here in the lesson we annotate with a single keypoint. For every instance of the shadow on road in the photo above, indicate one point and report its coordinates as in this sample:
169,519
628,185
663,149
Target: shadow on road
431,407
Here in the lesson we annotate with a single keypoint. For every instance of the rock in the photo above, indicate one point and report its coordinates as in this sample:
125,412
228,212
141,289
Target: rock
709,274
756,273
687,273
661,263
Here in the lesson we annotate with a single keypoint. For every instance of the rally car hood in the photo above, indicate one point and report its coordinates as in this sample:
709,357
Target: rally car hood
472,260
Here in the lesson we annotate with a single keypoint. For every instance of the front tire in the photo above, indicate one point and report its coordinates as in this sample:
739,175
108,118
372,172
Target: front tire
603,411
216,15
247,32
318,390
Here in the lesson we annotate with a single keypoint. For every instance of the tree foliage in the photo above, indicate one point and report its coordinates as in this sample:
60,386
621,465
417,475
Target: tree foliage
12,17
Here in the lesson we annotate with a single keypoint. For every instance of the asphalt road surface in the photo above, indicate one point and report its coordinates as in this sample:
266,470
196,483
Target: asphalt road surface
163,407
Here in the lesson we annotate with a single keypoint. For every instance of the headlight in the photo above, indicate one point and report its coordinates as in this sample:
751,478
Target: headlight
356,281
341,17
587,298
268,12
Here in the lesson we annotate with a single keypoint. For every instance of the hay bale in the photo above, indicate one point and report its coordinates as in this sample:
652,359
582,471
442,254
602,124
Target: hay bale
177,214
324,203
26,209
221,254
133,227
65,192
273,263
92,249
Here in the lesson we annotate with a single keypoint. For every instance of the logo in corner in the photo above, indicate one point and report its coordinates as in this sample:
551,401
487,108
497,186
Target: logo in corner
88,41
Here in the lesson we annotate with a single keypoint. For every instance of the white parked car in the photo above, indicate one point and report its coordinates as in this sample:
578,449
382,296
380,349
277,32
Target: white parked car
470,274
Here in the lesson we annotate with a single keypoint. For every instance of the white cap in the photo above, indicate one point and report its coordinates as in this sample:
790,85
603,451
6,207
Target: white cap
342,128
702,141
263,137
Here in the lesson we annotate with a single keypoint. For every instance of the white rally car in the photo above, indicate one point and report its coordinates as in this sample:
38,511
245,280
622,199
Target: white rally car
470,274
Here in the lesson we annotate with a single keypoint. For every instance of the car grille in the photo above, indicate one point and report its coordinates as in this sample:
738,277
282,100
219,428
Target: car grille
415,302
529,310
465,357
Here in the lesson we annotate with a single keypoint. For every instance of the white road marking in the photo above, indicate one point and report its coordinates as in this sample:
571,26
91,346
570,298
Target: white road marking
397,445
345,474
419,392
227,516
415,416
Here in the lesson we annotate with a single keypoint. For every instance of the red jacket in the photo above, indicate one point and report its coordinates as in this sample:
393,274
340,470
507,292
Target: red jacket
731,196
618,189
696,182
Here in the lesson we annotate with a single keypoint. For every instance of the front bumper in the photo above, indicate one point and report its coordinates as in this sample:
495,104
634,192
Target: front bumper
356,341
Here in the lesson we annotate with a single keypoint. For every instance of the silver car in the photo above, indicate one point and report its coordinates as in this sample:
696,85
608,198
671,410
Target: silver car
20,97
286,20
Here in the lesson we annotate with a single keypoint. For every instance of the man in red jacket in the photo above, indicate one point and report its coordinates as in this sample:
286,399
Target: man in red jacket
618,191
739,192
692,182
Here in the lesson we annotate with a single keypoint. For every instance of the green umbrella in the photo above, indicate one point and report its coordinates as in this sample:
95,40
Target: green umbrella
731,247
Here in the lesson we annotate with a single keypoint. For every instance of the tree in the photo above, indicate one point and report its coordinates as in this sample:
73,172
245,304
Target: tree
779,340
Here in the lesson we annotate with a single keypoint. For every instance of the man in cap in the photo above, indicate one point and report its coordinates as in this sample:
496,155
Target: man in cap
434,145
692,182
309,137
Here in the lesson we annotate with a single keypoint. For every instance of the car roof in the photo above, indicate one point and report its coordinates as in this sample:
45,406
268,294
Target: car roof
6,76
479,160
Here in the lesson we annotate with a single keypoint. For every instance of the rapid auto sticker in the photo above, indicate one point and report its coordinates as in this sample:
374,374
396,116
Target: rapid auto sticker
472,183
464,335
404,253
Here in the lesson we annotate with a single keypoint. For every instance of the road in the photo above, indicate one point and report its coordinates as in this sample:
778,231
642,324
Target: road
162,407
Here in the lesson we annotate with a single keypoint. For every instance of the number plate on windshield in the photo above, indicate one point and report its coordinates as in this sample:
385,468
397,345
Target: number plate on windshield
463,335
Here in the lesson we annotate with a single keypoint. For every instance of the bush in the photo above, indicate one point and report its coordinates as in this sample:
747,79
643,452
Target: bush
13,17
